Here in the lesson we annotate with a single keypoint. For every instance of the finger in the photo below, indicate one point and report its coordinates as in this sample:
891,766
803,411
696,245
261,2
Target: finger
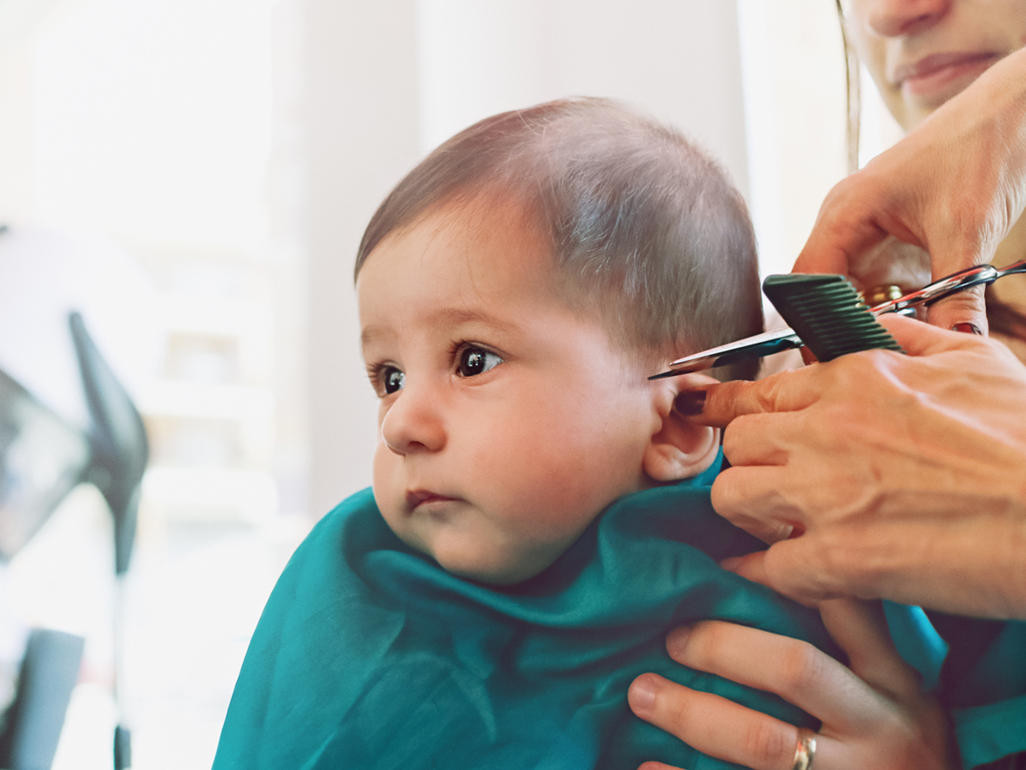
777,570
753,439
814,567
888,558
781,392
843,230
860,631
751,497
858,627
713,725
966,307
656,766
799,672
752,567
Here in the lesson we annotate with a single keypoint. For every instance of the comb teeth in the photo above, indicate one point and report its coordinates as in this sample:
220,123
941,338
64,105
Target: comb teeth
827,314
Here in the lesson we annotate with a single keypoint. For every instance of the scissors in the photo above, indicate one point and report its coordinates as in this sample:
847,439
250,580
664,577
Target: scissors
786,339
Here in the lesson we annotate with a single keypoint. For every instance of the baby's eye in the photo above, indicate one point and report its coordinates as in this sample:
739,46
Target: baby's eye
474,360
391,379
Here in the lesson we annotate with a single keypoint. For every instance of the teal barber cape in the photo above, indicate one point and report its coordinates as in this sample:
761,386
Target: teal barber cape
368,655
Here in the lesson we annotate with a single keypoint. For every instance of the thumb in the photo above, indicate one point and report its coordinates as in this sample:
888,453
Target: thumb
860,630
963,250
846,227
966,307
921,339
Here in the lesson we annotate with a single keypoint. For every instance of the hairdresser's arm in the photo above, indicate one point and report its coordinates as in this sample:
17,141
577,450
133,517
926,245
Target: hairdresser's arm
904,477
873,713
954,186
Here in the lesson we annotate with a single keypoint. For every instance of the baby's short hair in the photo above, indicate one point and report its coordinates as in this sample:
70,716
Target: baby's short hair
643,226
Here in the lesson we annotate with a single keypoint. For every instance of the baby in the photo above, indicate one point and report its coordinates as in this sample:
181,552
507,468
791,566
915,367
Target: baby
515,290
539,516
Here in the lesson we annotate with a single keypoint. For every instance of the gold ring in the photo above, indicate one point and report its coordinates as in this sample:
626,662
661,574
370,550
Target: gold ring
805,751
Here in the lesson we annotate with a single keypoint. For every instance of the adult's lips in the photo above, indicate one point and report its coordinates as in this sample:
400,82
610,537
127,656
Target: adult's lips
940,71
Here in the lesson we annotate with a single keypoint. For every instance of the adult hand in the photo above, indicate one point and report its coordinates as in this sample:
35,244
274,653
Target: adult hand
884,475
954,186
873,714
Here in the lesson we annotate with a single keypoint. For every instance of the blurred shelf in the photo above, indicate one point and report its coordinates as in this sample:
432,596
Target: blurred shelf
218,315
208,494
207,401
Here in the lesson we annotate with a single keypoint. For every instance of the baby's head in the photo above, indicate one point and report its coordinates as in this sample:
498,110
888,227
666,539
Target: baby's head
515,291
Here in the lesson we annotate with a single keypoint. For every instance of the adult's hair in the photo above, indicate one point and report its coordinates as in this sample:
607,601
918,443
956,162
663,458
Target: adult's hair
645,228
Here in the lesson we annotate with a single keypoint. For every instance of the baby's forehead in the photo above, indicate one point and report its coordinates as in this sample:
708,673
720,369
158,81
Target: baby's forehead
463,250
497,245
482,236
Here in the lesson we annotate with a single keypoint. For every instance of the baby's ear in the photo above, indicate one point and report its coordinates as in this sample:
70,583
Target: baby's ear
680,448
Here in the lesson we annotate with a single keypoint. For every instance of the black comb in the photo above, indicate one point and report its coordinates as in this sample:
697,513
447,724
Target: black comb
827,313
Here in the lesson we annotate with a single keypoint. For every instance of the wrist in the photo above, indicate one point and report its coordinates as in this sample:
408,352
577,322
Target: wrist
1004,84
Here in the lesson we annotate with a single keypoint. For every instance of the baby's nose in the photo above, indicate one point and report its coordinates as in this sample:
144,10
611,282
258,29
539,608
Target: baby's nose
413,423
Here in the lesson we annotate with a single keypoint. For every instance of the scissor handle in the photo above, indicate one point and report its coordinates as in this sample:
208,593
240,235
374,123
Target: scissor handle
941,288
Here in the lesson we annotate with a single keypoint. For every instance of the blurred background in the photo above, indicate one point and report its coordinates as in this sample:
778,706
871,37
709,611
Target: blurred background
194,178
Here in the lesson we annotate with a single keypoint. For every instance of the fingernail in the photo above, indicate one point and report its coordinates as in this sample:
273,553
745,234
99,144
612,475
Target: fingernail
641,694
677,640
690,402
731,563
967,328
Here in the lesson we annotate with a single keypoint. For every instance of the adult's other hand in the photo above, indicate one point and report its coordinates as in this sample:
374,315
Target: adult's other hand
954,186
873,712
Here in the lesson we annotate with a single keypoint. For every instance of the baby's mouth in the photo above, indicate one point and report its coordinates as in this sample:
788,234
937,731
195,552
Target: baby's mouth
416,498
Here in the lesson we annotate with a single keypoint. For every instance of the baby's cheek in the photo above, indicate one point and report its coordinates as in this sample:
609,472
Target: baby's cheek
387,487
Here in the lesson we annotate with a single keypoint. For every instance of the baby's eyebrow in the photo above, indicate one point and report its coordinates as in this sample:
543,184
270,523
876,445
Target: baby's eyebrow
370,334
444,317
455,316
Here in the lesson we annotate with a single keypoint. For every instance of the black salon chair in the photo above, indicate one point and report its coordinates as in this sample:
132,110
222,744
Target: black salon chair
52,459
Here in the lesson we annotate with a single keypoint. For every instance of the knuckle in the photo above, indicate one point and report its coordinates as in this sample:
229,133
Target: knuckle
704,637
724,402
731,439
767,743
801,667
767,396
833,559
677,716
848,370
736,436
724,494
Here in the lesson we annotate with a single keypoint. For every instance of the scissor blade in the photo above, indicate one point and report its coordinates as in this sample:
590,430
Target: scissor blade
757,346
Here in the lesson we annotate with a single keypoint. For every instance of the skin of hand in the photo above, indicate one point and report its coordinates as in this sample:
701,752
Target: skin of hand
873,712
955,186
882,475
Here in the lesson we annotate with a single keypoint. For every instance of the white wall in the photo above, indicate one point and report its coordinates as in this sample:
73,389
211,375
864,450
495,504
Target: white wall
793,72
362,134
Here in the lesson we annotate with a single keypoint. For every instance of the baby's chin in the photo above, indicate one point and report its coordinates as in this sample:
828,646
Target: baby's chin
496,573
465,546
495,576
474,563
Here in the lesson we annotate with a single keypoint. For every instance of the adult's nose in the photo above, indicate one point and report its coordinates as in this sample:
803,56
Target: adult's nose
893,18
414,422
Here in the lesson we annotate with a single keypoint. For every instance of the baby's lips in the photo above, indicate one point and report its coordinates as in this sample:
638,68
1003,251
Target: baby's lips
417,497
